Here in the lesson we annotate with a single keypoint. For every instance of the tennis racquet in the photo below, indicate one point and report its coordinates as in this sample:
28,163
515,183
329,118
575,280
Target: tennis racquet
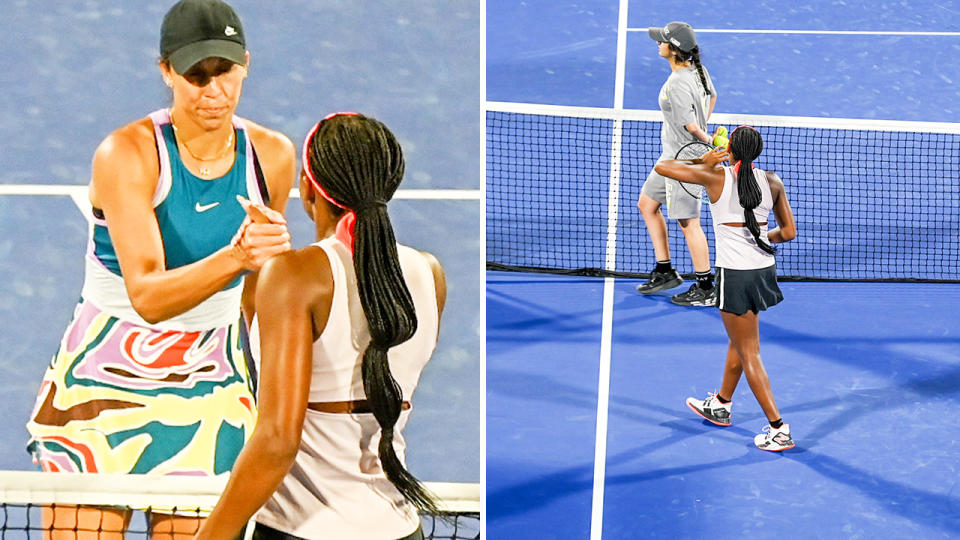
694,150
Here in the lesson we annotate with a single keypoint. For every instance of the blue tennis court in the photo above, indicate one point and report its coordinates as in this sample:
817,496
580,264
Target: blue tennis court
588,434
73,72
864,373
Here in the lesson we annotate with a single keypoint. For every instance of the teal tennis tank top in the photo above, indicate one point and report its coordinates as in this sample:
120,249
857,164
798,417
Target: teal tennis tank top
196,216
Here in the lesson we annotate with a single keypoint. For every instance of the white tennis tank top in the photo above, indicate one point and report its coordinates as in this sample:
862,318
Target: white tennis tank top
735,246
336,488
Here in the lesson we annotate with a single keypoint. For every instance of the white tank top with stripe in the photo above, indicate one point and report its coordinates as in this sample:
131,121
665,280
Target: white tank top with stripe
336,487
735,246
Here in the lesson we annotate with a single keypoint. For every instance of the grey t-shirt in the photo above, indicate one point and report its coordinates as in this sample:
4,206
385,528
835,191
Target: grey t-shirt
682,101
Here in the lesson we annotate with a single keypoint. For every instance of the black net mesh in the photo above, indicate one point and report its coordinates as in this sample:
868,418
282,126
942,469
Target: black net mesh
26,521
870,204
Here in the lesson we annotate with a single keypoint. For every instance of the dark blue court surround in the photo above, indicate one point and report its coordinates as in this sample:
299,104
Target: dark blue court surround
864,373
565,54
541,404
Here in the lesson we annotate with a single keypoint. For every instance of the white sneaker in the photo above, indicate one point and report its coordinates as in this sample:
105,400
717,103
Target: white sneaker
774,440
711,409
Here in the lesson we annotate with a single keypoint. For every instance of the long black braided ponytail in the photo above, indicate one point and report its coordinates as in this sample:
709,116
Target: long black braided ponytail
746,145
359,164
693,55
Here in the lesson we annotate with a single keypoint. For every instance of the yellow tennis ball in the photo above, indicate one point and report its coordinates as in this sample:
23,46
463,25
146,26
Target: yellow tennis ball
720,137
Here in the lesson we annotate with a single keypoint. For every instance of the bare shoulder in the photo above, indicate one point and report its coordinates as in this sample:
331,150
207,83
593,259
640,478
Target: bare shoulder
277,157
271,144
132,141
298,277
776,183
125,162
439,279
774,178
433,261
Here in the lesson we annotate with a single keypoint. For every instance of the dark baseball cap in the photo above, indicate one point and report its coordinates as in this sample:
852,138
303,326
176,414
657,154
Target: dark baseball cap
196,29
680,34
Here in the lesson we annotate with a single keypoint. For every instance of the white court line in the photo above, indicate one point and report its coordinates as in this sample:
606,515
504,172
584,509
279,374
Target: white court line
606,322
814,32
42,189
728,118
603,406
438,194
82,201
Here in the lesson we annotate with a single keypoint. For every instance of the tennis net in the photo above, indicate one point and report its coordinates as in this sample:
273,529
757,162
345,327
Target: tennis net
25,495
873,200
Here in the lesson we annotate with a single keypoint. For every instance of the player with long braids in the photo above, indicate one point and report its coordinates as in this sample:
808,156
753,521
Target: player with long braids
686,99
741,199
346,326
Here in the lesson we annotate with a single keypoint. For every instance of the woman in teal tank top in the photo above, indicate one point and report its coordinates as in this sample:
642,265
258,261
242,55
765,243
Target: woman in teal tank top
151,376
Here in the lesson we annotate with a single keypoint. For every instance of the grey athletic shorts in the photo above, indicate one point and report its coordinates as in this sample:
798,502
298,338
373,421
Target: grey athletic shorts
667,191
739,291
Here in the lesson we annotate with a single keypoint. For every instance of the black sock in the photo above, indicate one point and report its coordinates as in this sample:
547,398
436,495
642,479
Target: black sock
705,280
776,424
663,266
721,400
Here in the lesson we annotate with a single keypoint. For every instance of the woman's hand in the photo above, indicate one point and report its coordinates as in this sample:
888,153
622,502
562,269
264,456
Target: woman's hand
714,157
262,235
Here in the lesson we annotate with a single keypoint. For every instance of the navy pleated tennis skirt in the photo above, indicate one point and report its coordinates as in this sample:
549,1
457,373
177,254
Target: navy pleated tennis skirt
739,291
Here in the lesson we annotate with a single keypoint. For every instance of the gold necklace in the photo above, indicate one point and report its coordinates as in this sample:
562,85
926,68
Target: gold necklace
204,170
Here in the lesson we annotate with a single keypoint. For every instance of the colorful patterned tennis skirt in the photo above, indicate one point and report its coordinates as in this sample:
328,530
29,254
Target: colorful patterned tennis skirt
122,398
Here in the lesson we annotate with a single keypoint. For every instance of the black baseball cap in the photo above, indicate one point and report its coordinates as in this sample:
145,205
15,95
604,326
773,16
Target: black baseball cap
196,29
680,34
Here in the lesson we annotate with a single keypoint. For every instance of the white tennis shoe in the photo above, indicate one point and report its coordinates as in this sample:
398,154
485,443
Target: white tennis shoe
711,409
774,440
